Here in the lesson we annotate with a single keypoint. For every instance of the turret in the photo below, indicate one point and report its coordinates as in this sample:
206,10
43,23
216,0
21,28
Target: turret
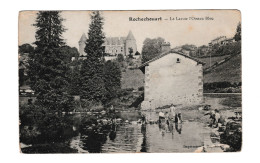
130,42
82,44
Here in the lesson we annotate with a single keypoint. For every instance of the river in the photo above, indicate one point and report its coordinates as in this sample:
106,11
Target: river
133,137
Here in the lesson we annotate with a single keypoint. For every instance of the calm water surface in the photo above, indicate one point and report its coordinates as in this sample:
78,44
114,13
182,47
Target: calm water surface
133,137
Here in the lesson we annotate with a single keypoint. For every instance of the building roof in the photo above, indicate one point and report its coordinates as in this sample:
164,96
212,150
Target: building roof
83,38
169,52
220,37
130,36
114,40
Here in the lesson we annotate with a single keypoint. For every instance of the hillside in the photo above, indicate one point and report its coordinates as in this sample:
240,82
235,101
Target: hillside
206,60
229,71
132,79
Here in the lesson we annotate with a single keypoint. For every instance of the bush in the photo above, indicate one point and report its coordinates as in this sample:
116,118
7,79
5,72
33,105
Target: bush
120,58
91,105
232,136
39,125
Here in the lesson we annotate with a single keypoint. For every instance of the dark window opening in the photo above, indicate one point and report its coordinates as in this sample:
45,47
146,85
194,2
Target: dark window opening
178,60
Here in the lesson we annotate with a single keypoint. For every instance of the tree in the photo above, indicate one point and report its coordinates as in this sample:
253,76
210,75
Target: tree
151,48
24,51
69,52
237,36
112,79
93,86
130,52
120,58
47,72
26,48
74,77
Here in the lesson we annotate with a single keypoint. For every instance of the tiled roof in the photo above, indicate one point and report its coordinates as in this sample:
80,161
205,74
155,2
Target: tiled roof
114,40
169,52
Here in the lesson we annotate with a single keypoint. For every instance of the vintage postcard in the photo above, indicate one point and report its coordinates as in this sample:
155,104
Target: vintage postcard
159,81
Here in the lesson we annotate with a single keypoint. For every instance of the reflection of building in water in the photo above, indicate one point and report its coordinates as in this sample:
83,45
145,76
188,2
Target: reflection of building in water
172,78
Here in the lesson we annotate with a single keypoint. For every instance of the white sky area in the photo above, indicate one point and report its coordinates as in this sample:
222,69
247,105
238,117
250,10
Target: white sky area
117,24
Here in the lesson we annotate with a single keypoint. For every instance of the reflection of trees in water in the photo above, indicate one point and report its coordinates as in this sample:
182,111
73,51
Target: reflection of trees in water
112,134
51,138
50,129
94,137
94,141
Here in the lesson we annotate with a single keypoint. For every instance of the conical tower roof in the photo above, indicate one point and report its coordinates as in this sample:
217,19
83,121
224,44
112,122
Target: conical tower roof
83,38
130,36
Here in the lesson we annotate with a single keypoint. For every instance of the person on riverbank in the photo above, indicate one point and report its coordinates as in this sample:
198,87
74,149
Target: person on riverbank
161,117
143,119
217,117
167,118
178,116
214,115
172,113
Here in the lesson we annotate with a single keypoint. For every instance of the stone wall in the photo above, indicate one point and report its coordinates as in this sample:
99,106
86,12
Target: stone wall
173,79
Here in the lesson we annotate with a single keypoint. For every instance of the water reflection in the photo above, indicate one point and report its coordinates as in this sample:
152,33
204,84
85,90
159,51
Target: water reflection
144,143
130,135
112,134
178,127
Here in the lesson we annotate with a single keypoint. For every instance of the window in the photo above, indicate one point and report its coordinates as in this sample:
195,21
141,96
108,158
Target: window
178,60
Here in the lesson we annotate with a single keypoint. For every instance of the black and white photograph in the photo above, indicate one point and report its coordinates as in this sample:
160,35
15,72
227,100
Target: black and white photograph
130,81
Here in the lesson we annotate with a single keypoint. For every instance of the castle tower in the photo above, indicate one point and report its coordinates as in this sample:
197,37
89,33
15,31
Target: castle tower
130,42
82,44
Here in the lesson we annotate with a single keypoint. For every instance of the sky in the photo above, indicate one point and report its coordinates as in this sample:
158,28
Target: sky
117,24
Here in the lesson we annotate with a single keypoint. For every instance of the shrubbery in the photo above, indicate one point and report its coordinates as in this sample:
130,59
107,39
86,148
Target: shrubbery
222,87
232,136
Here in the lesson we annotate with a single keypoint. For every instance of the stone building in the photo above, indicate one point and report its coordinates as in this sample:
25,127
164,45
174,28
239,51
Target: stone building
120,45
113,45
217,40
172,78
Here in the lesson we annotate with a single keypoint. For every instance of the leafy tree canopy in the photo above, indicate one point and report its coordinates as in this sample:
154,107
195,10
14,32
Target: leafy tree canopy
69,52
151,48
26,48
237,36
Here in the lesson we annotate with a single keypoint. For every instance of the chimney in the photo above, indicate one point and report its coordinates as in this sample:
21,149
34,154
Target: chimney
166,46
